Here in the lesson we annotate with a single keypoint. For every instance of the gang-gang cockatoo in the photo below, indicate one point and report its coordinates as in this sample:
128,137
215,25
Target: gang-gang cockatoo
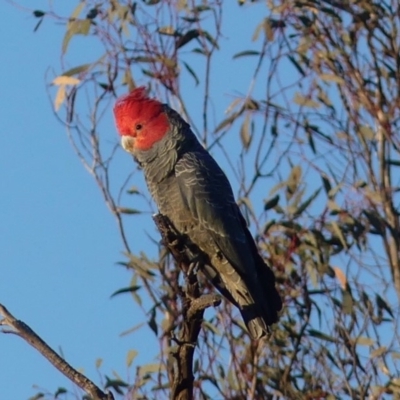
191,190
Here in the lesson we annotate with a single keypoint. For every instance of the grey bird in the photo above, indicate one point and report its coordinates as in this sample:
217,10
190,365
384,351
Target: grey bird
191,190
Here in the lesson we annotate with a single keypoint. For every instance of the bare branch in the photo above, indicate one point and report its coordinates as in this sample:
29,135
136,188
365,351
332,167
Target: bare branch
22,330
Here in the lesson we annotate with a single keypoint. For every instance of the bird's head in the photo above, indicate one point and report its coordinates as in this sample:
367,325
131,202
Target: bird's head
140,120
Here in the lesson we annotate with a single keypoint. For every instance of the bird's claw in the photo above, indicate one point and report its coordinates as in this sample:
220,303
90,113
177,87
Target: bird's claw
193,268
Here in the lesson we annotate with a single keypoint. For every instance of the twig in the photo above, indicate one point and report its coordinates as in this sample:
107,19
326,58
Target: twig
22,330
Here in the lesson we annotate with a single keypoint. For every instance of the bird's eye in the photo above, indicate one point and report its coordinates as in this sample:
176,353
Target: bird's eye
138,127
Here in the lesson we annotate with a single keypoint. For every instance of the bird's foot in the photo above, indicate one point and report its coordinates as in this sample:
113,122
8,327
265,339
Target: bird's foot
193,268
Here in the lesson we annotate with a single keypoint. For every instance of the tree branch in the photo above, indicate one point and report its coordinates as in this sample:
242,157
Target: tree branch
22,330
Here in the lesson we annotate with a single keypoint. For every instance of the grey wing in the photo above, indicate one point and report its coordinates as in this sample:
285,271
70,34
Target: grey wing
208,196
245,279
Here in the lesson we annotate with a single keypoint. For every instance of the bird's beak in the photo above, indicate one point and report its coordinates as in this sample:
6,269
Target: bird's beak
128,143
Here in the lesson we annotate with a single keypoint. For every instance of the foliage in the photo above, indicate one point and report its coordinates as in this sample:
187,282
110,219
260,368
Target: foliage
318,126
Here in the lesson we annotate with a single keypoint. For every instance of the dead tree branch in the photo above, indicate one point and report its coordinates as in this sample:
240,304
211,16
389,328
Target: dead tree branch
22,330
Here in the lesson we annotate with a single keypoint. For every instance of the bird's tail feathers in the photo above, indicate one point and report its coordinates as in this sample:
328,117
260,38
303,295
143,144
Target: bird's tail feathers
271,300
260,307
256,325
258,302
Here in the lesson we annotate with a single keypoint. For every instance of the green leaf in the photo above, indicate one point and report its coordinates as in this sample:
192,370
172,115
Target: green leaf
327,184
211,327
37,396
332,78
365,341
376,221
268,29
383,305
312,273
167,30
307,22
221,371
324,98
116,384
130,357
133,329
201,8
360,184
271,203
297,65
198,51
39,14
142,266
187,37
232,380
366,132
191,72
305,101
38,25
331,12
129,289
305,205
293,181
104,86
130,211
247,203
246,53
77,70
267,25
396,163
192,20
378,352
347,302
127,79
321,335
150,368
133,283
59,391
78,9
84,27
269,225
227,121
291,225
75,27
144,59
251,104
148,73
133,190
152,322
245,135
316,130
210,39
98,363
124,14
311,142
338,232
92,14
